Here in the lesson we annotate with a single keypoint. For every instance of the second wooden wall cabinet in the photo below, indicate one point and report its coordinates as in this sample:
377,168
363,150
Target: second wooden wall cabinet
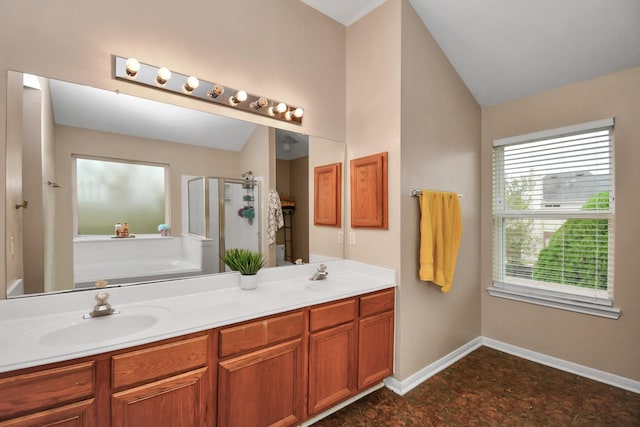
369,187
274,371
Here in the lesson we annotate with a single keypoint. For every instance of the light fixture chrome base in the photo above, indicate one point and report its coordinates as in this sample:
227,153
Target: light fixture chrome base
147,75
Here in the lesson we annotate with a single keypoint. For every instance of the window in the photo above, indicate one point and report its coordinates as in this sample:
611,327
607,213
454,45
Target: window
553,217
109,191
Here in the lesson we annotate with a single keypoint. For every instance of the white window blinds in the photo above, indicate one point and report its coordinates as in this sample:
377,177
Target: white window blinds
553,207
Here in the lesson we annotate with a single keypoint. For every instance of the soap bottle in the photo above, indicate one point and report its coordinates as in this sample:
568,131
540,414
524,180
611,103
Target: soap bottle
118,229
125,230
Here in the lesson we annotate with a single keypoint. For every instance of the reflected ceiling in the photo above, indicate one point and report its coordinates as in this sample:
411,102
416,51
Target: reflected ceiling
90,108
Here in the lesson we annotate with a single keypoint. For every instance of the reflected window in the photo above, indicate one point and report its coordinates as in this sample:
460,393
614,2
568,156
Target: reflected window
108,192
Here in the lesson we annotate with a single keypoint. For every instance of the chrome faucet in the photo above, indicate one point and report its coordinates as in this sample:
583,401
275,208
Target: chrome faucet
102,307
321,274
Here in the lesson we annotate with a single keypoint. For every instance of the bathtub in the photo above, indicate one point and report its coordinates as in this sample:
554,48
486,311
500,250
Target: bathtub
130,271
140,259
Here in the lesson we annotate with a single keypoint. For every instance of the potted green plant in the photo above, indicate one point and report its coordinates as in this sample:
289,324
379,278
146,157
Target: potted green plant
247,263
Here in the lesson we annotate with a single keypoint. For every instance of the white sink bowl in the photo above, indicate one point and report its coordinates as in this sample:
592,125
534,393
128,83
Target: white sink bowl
79,331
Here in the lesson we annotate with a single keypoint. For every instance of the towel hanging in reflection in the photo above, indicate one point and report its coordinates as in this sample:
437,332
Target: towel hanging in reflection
275,220
440,236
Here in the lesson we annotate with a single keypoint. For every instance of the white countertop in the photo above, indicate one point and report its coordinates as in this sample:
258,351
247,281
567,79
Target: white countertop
182,306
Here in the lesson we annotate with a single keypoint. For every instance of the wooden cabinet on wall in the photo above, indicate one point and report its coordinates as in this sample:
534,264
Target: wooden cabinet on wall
261,372
369,188
332,351
327,195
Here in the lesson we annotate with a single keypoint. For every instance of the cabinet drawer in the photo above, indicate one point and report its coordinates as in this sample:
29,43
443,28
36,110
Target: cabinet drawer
257,334
331,315
158,362
377,303
51,387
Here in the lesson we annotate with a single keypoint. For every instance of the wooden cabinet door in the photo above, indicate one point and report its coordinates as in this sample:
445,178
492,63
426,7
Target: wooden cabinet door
327,195
79,414
375,349
175,401
369,192
262,388
331,367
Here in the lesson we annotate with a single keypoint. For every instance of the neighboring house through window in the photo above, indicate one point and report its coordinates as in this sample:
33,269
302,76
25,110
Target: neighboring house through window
553,218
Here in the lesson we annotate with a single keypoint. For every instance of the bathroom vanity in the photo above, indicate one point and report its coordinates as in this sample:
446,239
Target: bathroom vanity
217,355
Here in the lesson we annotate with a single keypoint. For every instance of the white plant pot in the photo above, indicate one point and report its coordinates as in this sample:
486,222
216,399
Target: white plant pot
248,282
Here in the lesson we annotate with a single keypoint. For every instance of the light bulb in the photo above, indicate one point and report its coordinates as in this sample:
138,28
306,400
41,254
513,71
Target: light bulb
281,107
278,109
132,67
259,103
298,112
288,115
163,75
239,97
191,84
216,91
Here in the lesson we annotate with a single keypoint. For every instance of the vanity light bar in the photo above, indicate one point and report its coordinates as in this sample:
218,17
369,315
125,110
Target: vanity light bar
130,69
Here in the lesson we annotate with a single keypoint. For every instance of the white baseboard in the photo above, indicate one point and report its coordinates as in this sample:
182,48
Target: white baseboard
574,368
402,387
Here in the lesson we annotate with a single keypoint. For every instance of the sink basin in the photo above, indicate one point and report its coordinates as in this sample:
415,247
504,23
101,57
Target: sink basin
78,331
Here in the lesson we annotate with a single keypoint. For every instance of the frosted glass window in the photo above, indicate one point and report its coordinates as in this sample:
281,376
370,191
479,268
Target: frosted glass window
110,192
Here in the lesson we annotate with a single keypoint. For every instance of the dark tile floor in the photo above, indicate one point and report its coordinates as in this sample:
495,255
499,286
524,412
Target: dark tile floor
491,388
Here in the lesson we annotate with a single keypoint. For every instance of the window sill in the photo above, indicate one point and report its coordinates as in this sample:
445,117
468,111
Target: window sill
530,296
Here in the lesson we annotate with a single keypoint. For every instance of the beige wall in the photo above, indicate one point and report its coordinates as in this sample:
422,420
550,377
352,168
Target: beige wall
373,121
32,189
324,240
440,151
181,159
609,345
404,97
49,193
13,190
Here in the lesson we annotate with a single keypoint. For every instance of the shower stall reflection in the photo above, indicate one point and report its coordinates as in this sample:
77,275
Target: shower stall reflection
227,213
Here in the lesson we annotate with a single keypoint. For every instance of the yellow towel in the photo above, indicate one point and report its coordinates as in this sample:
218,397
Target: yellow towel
440,235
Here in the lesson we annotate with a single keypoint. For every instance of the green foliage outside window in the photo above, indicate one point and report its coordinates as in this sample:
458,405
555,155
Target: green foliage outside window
577,253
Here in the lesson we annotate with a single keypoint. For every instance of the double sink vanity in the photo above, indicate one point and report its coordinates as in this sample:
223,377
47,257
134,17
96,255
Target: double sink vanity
199,351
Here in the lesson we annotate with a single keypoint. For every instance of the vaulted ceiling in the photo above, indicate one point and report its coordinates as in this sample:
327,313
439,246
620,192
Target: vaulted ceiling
507,49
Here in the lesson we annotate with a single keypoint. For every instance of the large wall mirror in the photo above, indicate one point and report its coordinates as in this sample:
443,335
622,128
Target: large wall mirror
84,163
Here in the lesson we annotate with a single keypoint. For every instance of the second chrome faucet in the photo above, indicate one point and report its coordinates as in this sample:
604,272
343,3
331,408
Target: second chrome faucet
321,274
